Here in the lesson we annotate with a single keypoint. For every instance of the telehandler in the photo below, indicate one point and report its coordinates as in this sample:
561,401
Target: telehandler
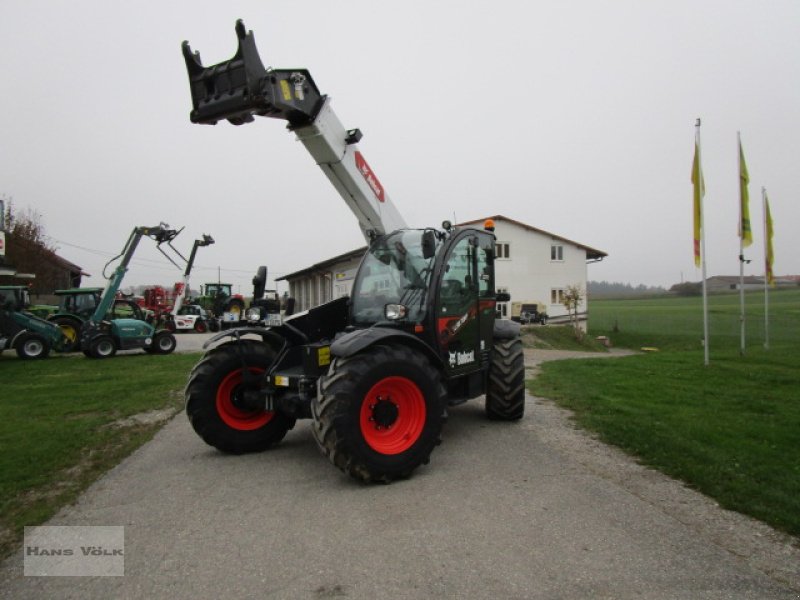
102,337
376,371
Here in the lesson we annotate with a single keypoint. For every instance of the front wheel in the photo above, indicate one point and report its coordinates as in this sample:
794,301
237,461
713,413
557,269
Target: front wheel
102,346
218,407
505,393
200,326
379,414
31,346
164,342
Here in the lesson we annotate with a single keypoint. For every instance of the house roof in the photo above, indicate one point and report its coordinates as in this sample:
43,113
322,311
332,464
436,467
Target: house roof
358,253
591,253
54,258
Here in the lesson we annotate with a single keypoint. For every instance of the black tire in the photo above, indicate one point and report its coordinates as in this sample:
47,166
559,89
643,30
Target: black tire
164,343
71,328
31,346
213,325
259,283
212,396
505,393
235,306
102,346
353,421
200,326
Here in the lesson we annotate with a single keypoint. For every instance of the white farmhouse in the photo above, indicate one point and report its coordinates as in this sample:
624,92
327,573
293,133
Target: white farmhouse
536,267
532,265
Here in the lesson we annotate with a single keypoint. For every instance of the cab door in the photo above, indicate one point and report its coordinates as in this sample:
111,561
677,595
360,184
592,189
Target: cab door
458,330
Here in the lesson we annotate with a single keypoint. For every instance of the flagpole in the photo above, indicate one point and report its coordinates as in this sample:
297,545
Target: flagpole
766,260
703,255
741,251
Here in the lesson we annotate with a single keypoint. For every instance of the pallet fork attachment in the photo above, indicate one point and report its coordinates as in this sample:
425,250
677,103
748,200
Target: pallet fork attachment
239,88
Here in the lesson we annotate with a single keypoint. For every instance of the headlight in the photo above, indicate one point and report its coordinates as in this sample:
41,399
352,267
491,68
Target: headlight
253,314
393,312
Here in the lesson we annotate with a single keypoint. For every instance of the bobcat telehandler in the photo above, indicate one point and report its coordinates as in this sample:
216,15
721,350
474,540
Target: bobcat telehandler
184,317
376,371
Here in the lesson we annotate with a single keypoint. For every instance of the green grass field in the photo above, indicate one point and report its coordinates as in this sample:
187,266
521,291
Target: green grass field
730,430
59,426
678,322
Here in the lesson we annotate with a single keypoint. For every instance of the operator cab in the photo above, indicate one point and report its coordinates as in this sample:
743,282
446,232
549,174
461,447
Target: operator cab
438,286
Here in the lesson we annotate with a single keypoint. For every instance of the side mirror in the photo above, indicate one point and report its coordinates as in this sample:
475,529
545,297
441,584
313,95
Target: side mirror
428,244
502,297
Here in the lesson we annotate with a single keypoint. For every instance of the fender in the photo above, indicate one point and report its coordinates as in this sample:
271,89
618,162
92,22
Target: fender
506,330
360,339
13,343
272,336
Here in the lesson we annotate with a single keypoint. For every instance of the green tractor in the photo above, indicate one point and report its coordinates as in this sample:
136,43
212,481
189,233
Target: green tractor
219,300
31,336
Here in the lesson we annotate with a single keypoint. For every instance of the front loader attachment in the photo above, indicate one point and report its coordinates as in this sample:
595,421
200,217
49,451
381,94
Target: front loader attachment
241,87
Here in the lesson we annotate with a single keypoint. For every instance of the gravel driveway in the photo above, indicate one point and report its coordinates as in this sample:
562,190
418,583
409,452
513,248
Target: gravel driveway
535,509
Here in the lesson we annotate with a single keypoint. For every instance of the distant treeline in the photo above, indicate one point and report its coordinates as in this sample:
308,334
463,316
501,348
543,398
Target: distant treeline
616,288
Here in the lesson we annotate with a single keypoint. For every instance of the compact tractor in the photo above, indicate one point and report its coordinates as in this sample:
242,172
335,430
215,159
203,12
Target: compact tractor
102,337
376,372
265,309
31,336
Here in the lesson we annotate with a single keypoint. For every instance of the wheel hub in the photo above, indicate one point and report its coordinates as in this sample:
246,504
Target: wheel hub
384,413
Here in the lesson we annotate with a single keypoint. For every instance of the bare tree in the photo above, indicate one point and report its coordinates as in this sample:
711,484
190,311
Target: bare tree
28,249
574,296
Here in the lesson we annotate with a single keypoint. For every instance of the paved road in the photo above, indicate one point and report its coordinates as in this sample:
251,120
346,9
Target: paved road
534,509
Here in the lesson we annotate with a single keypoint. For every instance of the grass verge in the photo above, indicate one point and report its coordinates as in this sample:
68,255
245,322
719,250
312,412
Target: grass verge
558,337
730,430
61,426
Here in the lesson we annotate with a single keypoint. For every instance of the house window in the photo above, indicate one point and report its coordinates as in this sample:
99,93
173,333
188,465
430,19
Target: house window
557,296
557,252
502,307
503,250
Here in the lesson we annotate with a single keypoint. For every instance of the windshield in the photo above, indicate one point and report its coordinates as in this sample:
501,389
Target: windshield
393,272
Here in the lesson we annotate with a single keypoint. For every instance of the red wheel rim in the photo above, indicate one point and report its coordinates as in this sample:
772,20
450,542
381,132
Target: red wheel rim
232,415
393,415
200,327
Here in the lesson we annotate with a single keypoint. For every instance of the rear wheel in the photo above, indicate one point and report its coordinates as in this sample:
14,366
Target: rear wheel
102,346
505,394
379,414
71,328
218,407
31,346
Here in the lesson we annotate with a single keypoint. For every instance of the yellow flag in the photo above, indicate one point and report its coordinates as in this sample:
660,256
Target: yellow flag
699,192
744,201
770,257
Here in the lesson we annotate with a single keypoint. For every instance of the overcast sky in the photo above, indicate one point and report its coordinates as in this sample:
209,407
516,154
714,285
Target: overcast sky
573,117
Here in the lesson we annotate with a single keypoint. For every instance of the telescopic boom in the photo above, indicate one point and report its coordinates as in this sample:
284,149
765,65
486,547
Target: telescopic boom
241,88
